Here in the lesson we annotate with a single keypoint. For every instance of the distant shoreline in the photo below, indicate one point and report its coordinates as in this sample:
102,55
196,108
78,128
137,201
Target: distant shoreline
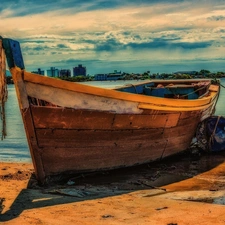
9,79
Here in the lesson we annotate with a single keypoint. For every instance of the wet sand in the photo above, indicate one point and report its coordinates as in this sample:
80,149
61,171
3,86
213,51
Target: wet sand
180,190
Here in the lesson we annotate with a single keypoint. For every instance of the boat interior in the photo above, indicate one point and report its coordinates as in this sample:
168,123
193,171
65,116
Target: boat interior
158,88
170,89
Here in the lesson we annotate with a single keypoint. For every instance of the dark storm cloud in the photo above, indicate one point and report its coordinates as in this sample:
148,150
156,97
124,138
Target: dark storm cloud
32,41
76,61
216,18
34,48
43,48
109,45
158,43
62,46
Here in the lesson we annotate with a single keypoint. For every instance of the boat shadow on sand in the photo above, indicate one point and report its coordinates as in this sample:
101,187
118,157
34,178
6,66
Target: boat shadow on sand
83,187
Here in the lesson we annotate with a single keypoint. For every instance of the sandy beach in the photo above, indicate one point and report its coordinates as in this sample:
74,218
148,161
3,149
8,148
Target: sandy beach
192,199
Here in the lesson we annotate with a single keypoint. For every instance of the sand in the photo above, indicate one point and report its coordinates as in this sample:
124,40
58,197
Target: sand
197,199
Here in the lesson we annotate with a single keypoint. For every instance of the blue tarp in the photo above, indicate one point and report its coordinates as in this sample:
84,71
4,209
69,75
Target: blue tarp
215,131
210,134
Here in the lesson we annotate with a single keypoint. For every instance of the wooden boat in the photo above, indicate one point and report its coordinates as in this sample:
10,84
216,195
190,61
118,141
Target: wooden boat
72,127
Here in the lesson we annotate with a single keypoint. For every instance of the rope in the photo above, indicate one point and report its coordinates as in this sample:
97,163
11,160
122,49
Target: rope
213,133
216,81
127,85
222,85
134,88
190,92
3,90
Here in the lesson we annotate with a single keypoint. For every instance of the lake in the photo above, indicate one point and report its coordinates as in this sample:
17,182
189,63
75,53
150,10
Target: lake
14,147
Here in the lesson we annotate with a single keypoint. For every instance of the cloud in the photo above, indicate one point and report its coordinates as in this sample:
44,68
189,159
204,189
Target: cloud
158,43
216,18
115,32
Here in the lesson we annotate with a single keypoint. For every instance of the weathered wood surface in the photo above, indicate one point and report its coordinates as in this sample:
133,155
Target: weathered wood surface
48,117
71,140
74,139
42,87
77,100
89,158
28,124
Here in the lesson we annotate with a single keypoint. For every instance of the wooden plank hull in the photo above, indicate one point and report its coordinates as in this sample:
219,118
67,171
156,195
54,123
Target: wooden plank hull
69,140
72,127
90,148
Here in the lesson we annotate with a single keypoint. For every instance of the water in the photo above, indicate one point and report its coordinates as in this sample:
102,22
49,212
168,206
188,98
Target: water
15,148
220,107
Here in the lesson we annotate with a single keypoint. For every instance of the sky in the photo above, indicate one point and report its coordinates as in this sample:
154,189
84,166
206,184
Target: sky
162,36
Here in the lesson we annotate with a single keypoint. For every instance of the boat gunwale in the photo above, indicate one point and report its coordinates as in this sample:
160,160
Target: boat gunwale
113,93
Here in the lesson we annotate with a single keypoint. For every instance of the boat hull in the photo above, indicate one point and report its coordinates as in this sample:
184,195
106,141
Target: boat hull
75,140
71,127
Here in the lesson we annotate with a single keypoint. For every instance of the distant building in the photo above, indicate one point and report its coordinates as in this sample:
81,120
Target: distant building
65,73
79,70
100,76
110,76
39,71
115,76
186,72
53,72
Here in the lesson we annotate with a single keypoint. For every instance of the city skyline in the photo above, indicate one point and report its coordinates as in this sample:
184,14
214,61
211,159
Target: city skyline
131,36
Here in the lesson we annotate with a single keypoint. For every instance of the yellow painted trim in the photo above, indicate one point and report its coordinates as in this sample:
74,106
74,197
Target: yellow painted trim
170,108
